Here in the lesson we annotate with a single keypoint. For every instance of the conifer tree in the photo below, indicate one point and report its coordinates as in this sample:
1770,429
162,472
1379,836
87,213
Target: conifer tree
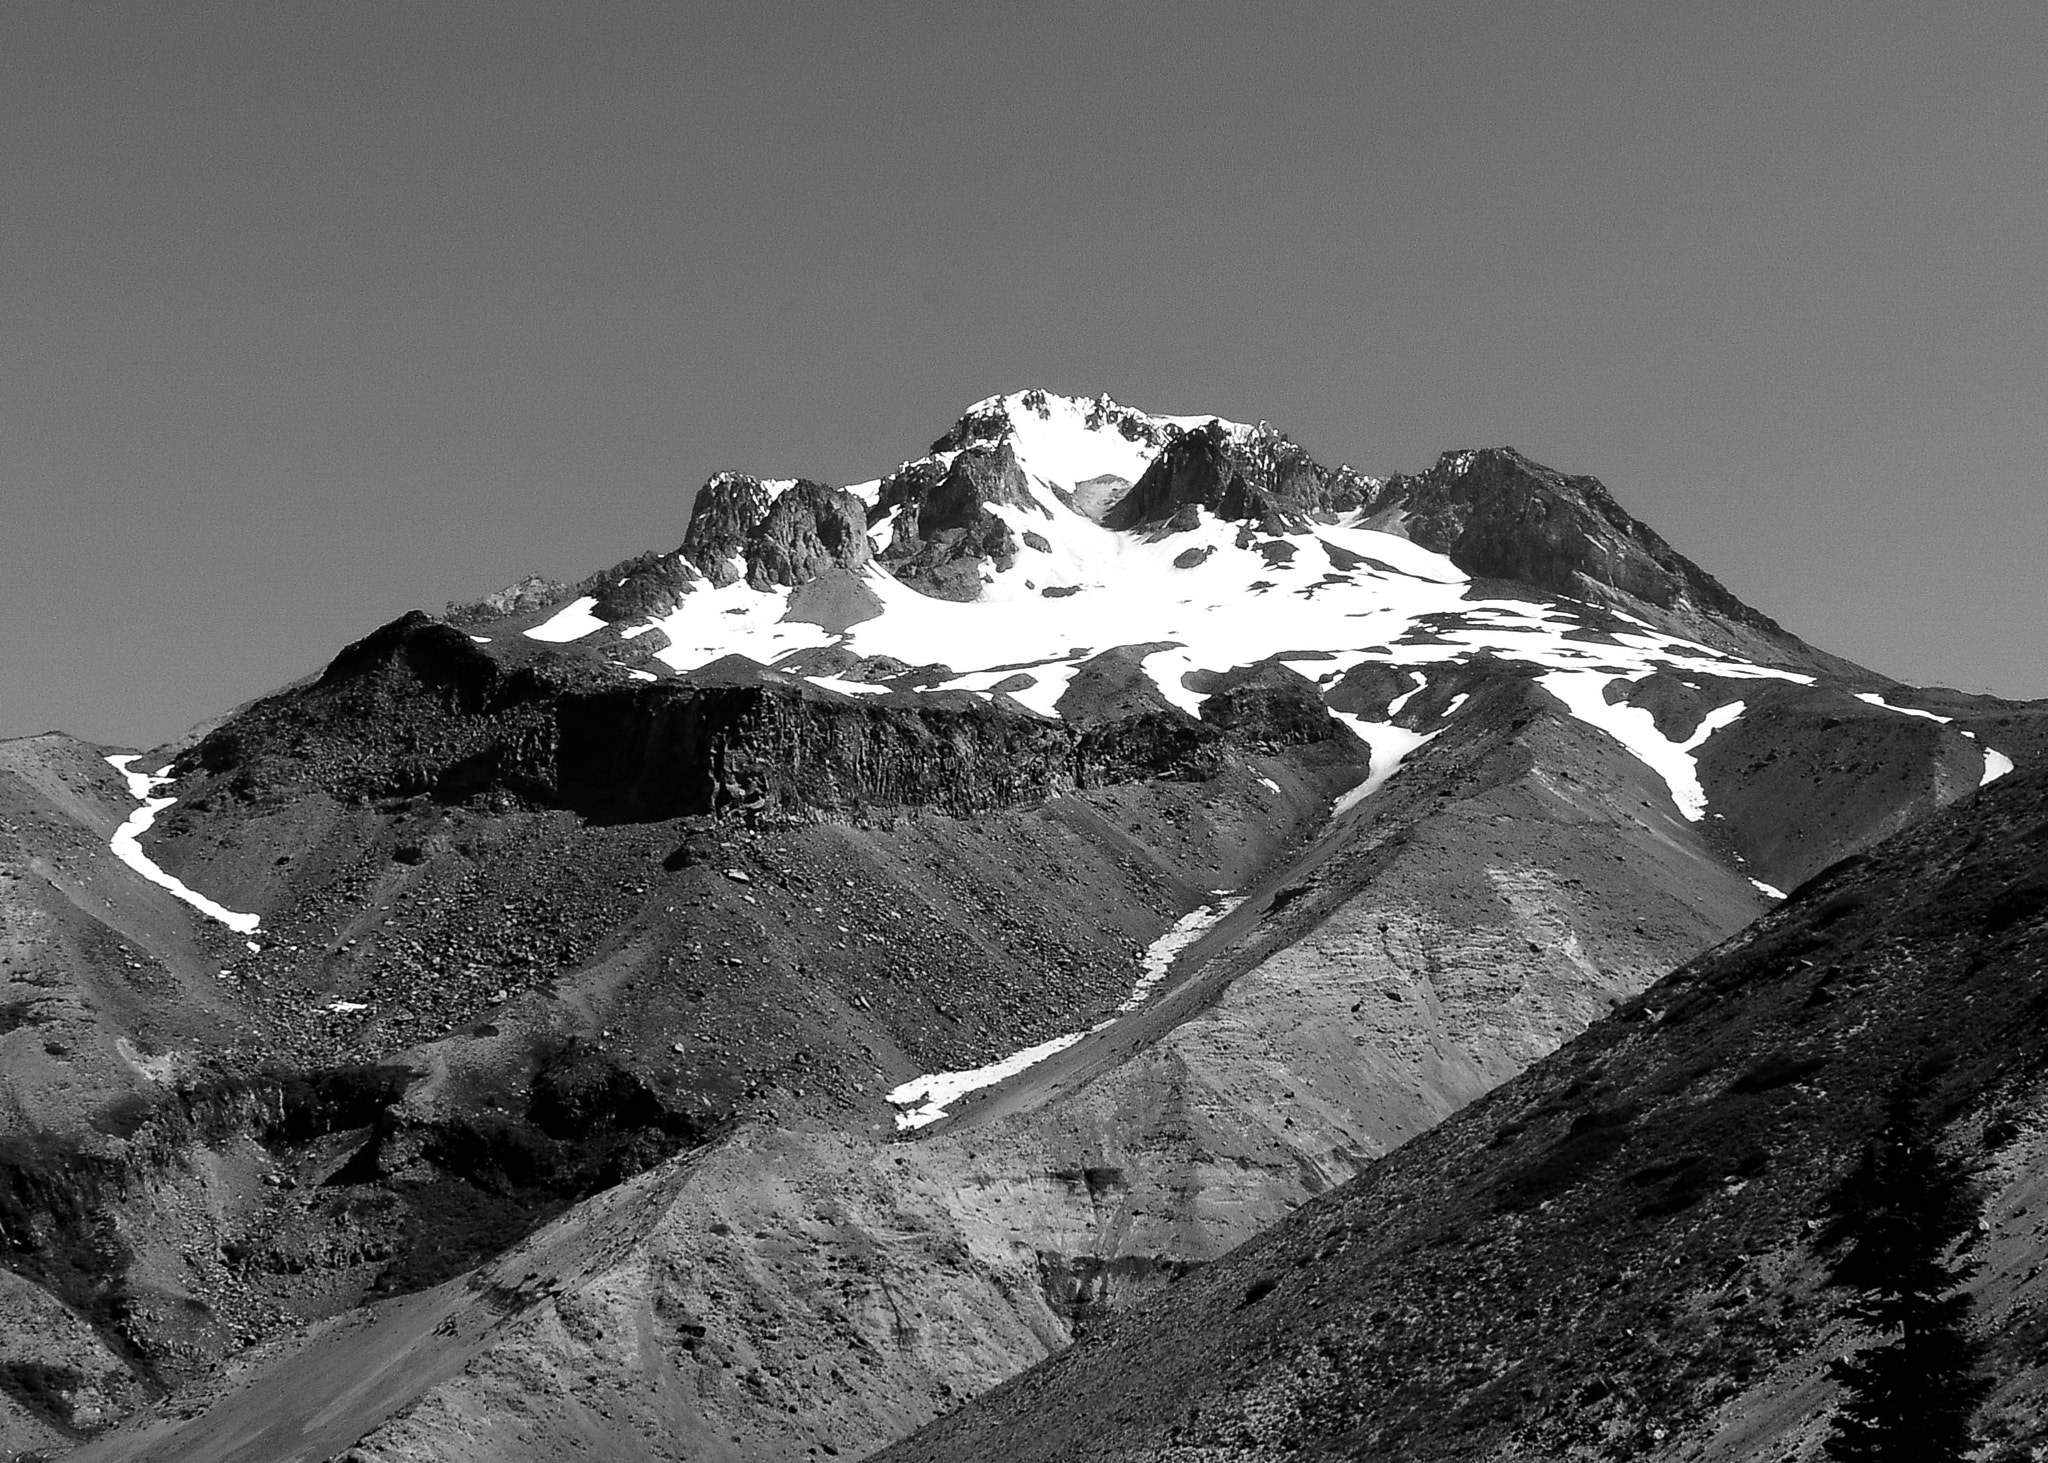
1899,1217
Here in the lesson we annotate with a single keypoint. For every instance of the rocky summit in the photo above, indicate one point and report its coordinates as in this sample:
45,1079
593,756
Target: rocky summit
1312,964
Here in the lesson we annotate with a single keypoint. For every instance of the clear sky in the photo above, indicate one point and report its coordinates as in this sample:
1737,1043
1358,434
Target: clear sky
311,313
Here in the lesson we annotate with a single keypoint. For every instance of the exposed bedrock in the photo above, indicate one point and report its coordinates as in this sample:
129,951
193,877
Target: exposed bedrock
533,592
413,707
645,587
742,528
944,528
1270,703
654,752
1498,515
222,1206
417,708
808,530
726,511
1258,476
990,422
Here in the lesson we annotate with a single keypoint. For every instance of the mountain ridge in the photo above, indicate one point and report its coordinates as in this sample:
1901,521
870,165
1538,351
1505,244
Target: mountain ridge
1097,817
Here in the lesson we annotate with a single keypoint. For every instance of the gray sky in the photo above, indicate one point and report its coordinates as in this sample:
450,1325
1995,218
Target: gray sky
312,313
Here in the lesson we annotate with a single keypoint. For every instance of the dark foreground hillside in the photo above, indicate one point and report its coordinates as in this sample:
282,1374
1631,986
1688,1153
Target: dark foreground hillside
1614,1255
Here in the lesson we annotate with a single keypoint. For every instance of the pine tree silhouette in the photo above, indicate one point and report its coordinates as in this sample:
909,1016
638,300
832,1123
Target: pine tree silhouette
1899,1216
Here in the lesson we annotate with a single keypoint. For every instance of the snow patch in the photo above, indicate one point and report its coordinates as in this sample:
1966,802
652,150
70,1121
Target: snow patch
1391,746
126,845
1162,952
1770,889
1996,765
925,1099
1584,694
1055,443
848,688
1873,699
571,622
1394,706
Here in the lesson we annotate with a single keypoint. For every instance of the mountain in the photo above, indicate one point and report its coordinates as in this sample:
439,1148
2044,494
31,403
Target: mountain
1498,515
872,944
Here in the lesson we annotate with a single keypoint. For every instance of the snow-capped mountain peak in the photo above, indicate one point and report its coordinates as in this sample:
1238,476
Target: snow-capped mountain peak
1067,441
1049,544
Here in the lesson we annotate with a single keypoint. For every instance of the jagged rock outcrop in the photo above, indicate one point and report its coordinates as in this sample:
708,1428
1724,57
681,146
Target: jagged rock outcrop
413,707
1272,704
944,530
727,509
1498,515
530,593
772,534
1256,475
417,707
808,529
644,587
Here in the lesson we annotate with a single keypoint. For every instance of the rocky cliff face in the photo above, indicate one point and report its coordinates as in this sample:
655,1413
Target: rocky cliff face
807,530
645,586
769,534
1498,515
943,528
1252,474
417,708
727,510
